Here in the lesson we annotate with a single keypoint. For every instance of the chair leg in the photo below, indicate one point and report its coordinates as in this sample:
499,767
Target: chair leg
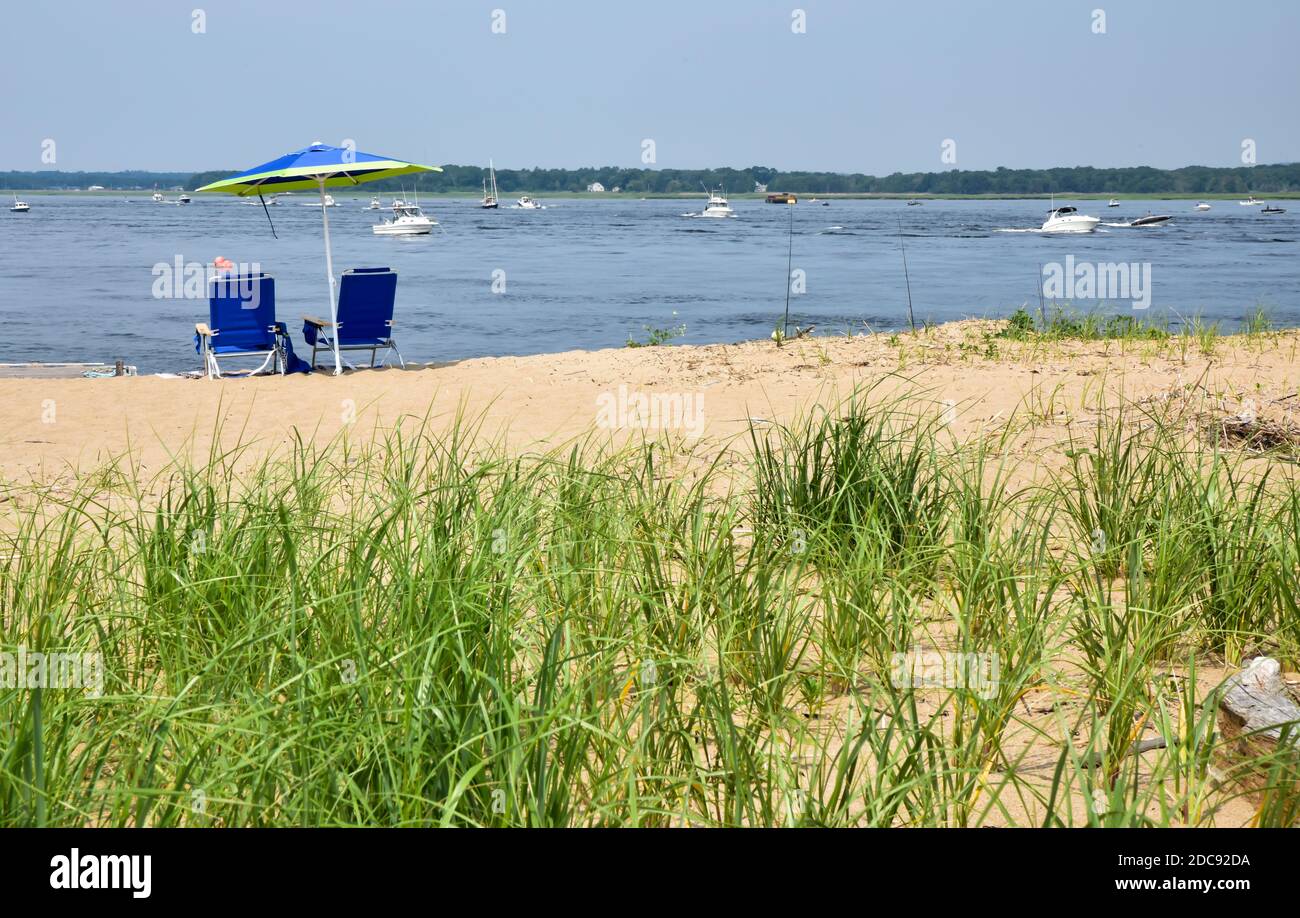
400,362
266,362
210,361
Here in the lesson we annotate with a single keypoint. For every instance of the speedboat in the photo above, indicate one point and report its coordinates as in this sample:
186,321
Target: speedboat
1270,209
527,203
1202,206
20,207
1113,202
374,204
183,199
1151,220
915,203
1250,202
158,197
717,205
1069,220
490,200
329,202
407,220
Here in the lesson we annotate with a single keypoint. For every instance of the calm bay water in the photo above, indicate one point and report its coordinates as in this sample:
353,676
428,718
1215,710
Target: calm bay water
76,274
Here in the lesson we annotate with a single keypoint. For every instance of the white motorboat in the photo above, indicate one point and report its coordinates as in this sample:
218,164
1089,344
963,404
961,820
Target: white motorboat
1251,201
158,197
490,200
329,202
527,203
183,199
1151,220
717,205
20,207
1113,202
1202,206
1069,220
407,220
374,204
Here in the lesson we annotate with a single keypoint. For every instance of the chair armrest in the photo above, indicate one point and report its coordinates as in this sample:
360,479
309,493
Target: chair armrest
319,323
202,329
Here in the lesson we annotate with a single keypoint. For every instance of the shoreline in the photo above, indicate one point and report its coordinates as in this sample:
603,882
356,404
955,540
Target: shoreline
469,193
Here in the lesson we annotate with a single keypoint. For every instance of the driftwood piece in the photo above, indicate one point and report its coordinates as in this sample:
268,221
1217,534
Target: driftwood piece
1255,707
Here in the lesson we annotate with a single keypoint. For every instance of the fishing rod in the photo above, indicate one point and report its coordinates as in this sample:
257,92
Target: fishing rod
911,320
789,264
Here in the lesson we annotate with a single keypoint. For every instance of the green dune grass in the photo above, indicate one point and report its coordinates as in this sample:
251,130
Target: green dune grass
427,630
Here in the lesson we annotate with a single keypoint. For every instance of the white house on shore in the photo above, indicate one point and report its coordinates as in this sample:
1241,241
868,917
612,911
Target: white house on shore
596,187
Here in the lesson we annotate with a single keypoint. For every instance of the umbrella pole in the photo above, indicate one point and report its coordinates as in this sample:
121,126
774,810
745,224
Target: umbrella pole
329,272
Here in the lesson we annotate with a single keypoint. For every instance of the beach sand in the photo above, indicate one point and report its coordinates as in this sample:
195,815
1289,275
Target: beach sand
53,428
1030,399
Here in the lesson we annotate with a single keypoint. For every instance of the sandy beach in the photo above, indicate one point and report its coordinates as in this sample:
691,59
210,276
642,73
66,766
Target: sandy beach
707,396
1027,405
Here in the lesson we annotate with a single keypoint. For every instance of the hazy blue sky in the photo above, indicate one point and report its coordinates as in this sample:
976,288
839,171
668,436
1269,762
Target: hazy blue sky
870,87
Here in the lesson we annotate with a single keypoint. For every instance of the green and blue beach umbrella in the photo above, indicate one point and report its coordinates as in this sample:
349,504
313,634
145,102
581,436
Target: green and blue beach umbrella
318,166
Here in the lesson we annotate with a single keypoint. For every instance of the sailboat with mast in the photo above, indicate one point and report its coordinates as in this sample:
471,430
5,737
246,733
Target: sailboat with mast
490,201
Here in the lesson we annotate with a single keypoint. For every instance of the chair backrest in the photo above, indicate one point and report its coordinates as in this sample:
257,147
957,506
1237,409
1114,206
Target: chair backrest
366,298
242,310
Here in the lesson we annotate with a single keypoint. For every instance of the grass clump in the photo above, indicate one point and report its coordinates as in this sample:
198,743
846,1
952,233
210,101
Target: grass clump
1062,324
874,624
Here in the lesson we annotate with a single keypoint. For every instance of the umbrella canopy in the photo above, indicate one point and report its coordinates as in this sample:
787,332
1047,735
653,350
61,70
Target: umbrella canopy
318,166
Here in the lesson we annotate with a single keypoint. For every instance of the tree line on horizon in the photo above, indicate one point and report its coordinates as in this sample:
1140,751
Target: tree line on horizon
1065,180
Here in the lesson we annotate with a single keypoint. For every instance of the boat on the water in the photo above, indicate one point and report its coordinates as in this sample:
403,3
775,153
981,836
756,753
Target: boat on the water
20,207
183,199
158,197
527,203
1069,220
329,202
1202,206
1270,209
407,220
1113,202
1251,201
914,203
374,204
782,197
1151,220
490,200
717,205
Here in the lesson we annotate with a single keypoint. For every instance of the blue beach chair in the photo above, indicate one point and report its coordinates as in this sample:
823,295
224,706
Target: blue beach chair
365,315
242,314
